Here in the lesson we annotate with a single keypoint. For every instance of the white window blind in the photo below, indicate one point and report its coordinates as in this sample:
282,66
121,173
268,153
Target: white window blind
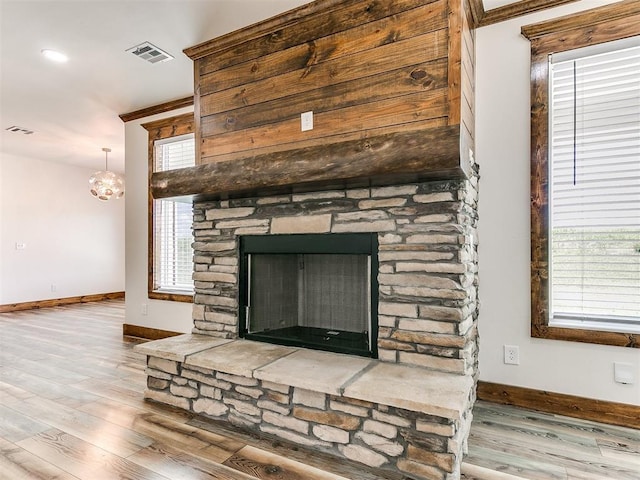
594,186
172,220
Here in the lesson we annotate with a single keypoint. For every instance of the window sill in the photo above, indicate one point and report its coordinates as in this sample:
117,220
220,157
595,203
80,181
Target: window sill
598,337
171,296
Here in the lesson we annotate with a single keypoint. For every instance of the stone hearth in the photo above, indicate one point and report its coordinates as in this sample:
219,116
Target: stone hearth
376,413
410,409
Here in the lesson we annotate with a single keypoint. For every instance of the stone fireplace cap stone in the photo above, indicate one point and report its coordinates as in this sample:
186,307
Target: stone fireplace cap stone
324,372
413,388
239,357
179,347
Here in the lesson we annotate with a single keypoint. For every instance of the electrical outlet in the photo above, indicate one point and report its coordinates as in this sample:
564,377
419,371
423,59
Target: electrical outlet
512,355
53,287
143,309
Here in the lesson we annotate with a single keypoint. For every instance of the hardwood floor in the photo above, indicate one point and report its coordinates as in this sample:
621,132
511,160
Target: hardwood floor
71,407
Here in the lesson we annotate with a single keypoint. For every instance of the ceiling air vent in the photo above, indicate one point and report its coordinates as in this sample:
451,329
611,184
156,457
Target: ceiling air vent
16,129
149,52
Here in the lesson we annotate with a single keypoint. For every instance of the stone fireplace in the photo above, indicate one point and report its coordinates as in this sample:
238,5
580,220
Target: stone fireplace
385,378
409,410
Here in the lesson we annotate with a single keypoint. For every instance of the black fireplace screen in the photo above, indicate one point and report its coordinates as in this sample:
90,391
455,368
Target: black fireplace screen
316,291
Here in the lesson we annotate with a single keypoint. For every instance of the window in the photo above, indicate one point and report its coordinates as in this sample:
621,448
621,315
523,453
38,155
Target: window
594,185
171,146
585,176
172,219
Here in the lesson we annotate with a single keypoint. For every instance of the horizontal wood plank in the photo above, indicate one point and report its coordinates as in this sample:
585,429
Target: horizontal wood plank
56,302
412,79
396,156
422,48
358,118
170,127
613,413
309,22
312,143
16,462
263,465
598,33
517,9
146,332
587,20
170,297
83,459
156,109
163,457
310,54
363,68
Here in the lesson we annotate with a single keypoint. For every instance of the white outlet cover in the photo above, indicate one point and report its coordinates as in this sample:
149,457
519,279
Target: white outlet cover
623,373
511,355
306,121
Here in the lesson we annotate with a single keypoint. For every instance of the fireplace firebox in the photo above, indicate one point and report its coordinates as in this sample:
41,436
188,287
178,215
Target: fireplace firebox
313,291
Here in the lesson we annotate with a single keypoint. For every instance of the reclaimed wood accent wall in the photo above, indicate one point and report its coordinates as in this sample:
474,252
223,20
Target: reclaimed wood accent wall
399,70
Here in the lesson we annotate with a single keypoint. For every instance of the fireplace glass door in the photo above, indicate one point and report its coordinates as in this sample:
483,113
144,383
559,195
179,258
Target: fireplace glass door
306,297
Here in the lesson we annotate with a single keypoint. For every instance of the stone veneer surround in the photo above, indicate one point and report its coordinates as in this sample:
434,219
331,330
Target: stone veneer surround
409,411
427,262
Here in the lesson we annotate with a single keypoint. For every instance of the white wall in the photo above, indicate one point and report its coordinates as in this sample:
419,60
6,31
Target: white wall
502,150
73,240
162,314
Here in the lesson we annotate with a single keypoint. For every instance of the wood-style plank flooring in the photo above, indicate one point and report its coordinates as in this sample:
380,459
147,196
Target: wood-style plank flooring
71,407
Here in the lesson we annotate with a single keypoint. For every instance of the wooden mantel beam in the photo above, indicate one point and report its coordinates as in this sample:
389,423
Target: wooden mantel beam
384,159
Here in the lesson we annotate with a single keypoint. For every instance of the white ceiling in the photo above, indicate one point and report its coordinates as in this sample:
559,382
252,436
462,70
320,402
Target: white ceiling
73,107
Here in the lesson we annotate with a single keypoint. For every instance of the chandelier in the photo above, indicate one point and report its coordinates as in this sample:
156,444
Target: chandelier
105,185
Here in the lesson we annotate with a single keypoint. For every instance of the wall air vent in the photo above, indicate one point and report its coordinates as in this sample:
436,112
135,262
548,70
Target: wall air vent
150,53
16,129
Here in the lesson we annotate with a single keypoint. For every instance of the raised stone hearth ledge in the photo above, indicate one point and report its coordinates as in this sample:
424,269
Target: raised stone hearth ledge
384,415
412,388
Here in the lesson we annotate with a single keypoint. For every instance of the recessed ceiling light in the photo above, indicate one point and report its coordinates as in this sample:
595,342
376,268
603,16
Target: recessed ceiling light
54,55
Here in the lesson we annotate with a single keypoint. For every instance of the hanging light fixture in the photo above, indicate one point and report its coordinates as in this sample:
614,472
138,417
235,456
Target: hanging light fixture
106,185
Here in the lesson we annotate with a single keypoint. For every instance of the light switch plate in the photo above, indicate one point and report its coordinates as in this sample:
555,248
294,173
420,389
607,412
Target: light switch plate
306,121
